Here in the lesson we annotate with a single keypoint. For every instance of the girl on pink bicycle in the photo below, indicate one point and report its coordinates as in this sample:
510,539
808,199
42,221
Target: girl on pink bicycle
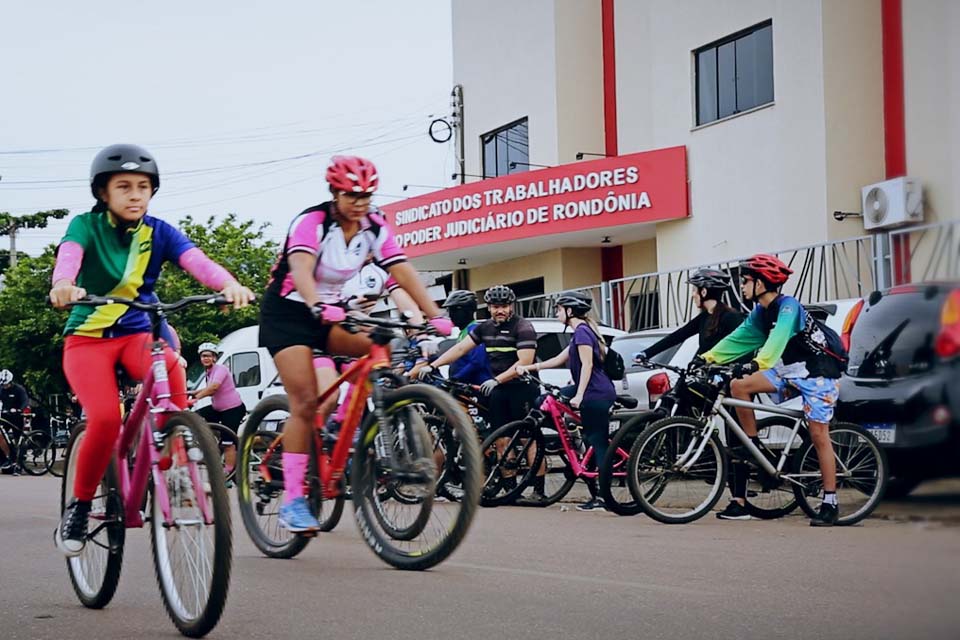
592,392
117,249
326,246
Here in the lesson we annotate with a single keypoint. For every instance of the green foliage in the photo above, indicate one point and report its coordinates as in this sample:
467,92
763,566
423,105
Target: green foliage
31,344
30,340
241,249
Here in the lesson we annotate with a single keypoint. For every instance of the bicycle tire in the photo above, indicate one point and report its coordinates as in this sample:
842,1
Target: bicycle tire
192,623
416,437
521,437
868,464
96,592
424,551
258,500
57,463
615,501
772,498
34,455
221,432
657,449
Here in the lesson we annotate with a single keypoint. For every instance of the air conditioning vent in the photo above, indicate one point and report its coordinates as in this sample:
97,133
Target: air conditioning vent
892,203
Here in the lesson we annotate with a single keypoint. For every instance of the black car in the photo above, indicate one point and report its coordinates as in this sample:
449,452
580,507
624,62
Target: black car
903,381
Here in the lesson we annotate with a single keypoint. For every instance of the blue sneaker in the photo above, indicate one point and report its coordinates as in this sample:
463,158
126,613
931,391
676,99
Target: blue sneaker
296,516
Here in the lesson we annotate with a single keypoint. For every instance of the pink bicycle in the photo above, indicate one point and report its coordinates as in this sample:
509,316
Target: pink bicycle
171,455
546,442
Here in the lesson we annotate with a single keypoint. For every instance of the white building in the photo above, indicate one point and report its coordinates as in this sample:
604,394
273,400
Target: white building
785,110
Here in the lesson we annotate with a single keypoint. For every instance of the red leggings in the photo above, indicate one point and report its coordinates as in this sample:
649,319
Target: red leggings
90,365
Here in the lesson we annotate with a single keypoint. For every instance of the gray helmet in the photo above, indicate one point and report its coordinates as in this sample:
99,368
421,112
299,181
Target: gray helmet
120,158
710,279
499,294
579,303
460,298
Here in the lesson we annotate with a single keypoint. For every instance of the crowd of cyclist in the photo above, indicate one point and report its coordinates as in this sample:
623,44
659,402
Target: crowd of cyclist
118,249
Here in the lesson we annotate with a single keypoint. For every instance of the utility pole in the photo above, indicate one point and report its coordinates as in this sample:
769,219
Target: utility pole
456,103
11,225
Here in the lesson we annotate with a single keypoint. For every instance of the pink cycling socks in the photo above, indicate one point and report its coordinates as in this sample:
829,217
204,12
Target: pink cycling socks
294,473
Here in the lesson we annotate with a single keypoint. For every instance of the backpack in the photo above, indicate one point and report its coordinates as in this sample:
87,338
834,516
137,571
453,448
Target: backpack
823,340
613,364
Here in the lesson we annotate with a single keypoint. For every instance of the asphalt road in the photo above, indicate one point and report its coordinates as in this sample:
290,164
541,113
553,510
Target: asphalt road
522,573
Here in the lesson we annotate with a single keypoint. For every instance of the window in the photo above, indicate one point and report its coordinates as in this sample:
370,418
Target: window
245,368
503,146
735,74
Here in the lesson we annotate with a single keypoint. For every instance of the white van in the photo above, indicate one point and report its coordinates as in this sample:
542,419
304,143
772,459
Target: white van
251,365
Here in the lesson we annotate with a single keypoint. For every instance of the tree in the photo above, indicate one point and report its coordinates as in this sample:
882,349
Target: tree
31,344
242,250
10,226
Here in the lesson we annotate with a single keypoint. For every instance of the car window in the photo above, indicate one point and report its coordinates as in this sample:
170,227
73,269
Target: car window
551,344
245,368
894,336
627,347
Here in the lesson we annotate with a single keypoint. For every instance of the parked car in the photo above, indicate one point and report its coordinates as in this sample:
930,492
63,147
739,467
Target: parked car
903,381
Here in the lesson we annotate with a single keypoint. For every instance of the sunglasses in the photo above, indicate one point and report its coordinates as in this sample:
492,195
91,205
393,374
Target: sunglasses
745,279
356,196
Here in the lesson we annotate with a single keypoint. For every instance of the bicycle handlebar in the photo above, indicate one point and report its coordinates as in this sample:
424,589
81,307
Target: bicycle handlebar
649,364
151,307
357,319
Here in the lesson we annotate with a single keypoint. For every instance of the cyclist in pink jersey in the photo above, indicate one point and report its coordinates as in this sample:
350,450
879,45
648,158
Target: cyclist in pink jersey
226,406
301,310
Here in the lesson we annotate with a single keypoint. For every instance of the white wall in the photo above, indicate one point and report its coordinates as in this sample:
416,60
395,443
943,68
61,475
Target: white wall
504,56
931,59
757,181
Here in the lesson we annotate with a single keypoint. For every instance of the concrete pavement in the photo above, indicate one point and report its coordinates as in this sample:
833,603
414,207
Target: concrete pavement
523,573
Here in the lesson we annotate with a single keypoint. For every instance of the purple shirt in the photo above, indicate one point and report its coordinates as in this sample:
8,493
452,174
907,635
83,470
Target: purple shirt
600,386
226,396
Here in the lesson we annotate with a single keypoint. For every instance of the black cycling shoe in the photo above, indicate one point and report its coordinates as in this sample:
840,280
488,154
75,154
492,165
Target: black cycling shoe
827,517
71,535
734,511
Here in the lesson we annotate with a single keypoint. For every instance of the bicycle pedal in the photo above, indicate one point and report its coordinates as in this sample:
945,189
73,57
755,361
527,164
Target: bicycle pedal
307,534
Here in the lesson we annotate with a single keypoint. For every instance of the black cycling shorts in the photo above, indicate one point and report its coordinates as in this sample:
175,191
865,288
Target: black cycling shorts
288,323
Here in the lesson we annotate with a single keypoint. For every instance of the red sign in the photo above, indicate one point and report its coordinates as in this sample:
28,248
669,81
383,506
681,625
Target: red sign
636,188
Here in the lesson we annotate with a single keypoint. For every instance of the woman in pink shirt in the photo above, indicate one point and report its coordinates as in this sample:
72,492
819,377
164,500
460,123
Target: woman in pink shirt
226,406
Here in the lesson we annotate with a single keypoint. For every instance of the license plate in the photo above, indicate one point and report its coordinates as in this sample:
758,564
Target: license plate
884,432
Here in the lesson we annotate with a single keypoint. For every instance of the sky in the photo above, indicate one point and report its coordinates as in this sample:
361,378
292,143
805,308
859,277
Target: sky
242,103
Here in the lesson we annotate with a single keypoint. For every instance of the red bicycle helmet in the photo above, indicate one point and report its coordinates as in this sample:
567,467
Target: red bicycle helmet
768,268
352,174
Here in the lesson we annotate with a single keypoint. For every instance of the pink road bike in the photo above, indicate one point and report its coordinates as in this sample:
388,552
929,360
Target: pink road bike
170,456
547,441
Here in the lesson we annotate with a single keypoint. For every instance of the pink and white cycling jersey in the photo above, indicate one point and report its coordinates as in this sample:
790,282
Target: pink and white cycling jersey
370,279
315,231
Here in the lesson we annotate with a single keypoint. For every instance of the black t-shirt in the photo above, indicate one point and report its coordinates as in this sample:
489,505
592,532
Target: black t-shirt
503,340
702,324
13,397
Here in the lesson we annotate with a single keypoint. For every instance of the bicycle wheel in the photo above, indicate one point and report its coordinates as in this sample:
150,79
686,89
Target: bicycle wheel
95,573
35,454
511,456
668,479
224,437
374,482
191,546
58,459
448,457
770,498
862,473
260,490
612,485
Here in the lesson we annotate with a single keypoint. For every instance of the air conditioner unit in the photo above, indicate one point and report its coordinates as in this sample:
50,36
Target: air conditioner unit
892,203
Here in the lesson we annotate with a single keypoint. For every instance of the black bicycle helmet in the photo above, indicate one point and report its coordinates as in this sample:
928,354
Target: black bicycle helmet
577,302
499,294
710,279
460,298
120,158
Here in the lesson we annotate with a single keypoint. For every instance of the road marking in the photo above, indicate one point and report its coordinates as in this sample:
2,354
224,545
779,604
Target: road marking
645,586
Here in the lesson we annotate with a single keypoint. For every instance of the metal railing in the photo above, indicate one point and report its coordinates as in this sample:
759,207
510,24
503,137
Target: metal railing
850,268
925,253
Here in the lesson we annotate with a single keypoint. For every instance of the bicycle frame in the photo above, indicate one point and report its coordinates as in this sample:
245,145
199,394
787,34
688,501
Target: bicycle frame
557,410
152,402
